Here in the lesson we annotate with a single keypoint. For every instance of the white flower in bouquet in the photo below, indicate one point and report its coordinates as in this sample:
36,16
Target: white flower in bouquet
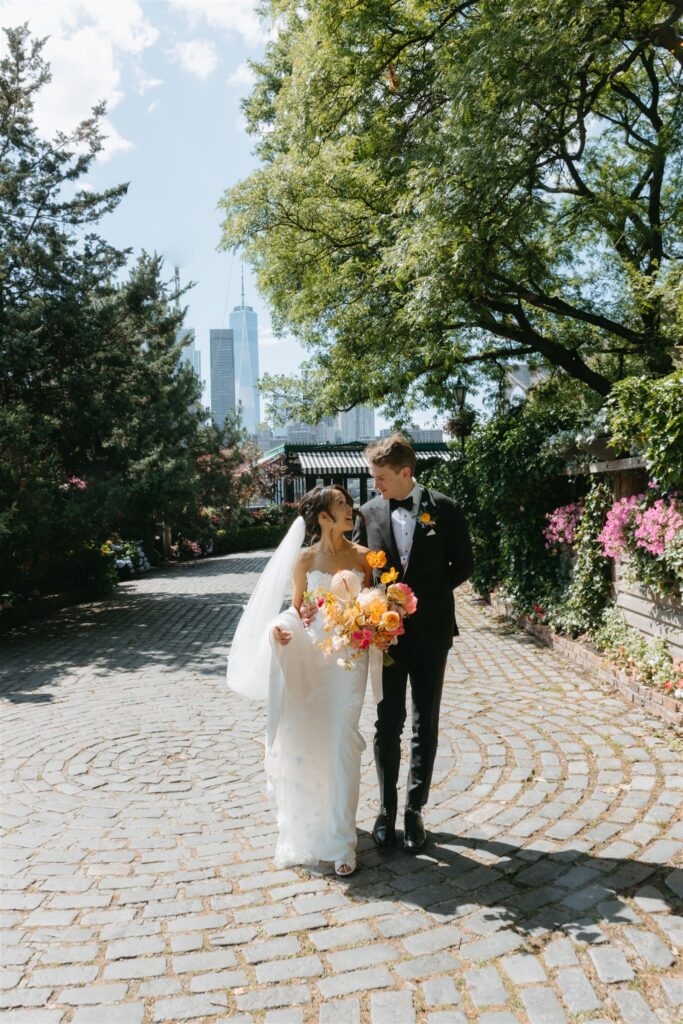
367,596
345,585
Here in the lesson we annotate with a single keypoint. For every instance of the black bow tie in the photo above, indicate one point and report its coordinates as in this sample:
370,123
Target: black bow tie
401,503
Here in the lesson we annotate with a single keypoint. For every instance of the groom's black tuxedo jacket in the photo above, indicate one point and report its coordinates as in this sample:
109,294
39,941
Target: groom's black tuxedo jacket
440,560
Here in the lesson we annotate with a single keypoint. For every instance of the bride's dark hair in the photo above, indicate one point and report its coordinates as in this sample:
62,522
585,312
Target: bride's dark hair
318,500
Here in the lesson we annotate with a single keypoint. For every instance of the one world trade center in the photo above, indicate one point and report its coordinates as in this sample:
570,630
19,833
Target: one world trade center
244,325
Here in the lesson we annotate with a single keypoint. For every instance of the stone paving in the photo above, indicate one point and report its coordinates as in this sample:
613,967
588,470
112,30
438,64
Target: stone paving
138,883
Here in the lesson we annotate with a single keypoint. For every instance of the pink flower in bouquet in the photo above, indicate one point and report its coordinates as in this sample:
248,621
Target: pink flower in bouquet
363,638
402,594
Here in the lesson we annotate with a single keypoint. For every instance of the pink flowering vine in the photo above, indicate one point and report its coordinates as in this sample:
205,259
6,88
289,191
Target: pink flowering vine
75,481
658,525
613,537
562,524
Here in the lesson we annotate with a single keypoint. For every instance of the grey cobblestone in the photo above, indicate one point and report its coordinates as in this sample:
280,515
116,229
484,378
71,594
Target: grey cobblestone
284,995
355,981
341,935
486,987
440,992
340,1011
139,839
542,1006
126,1013
93,994
577,991
289,970
392,1008
633,1008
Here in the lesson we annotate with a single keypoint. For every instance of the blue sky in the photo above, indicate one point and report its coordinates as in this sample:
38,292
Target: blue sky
172,73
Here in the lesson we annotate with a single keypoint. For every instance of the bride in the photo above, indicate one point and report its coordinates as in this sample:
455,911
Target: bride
313,745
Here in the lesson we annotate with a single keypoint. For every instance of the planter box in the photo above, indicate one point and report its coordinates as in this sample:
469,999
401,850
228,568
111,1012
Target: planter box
667,708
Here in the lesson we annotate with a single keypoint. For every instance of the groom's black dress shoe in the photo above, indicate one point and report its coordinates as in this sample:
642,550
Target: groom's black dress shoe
414,835
384,832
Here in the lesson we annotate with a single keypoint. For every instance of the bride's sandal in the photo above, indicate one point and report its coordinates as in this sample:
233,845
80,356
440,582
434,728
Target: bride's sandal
343,869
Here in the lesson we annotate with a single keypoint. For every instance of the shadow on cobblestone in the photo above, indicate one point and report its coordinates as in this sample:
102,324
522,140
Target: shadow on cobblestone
163,627
571,892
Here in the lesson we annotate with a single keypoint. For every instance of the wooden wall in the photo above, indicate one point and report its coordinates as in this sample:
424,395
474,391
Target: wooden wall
659,618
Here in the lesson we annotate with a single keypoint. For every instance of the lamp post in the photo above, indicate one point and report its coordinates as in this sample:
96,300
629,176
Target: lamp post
460,395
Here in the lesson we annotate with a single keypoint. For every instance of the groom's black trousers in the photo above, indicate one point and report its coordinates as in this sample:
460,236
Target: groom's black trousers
425,669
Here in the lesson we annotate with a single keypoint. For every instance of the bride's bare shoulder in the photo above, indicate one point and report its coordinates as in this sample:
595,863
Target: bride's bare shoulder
306,556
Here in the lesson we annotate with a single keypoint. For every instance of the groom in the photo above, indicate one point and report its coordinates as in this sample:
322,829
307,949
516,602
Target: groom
425,537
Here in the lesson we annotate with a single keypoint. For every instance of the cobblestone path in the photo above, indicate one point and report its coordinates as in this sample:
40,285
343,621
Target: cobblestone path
139,885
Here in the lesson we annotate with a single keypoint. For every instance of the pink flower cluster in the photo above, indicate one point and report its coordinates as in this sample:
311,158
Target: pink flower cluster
658,525
76,482
613,534
655,526
364,637
562,524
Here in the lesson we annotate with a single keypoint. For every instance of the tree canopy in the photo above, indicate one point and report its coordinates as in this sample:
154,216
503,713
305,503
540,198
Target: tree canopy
446,187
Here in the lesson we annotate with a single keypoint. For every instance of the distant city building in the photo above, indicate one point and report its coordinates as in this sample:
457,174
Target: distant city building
190,353
221,341
357,424
519,379
244,326
420,435
302,433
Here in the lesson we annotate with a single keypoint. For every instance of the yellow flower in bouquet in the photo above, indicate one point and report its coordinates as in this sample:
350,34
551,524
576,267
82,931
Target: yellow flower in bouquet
390,576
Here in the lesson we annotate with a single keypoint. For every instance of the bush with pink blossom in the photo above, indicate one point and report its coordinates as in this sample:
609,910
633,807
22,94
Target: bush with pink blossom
645,532
562,524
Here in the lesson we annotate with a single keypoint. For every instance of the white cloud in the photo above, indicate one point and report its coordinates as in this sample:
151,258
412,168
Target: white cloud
145,84
228,15
197,56
242,76
152,107
87,45
113,143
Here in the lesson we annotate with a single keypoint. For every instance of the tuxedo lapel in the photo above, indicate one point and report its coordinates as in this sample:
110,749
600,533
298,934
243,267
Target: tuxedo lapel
421,531
387,534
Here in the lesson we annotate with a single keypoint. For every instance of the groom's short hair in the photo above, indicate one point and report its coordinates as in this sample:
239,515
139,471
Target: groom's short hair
395,451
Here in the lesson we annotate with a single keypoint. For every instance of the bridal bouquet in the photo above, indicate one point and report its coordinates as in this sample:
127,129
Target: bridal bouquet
357,617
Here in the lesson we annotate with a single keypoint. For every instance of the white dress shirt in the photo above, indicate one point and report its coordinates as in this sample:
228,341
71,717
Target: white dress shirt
403,524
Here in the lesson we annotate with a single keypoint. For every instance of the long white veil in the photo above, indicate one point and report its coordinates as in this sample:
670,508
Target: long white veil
250,655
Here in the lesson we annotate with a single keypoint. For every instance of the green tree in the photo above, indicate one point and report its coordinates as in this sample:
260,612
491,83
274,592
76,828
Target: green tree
449,186
101,427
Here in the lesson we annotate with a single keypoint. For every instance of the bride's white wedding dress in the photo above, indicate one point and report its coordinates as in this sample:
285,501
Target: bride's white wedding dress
314,744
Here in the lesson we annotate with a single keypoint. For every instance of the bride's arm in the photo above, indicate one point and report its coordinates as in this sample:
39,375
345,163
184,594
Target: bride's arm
298,584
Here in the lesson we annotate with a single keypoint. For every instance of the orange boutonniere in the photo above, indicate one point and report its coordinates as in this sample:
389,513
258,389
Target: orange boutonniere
426,519
376,559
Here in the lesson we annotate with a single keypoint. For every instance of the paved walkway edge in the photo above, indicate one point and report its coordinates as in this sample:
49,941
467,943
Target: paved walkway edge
668,709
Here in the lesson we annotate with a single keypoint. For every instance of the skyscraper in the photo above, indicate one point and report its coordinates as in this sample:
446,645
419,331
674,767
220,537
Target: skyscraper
221,341
244,326
190,353
357,424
